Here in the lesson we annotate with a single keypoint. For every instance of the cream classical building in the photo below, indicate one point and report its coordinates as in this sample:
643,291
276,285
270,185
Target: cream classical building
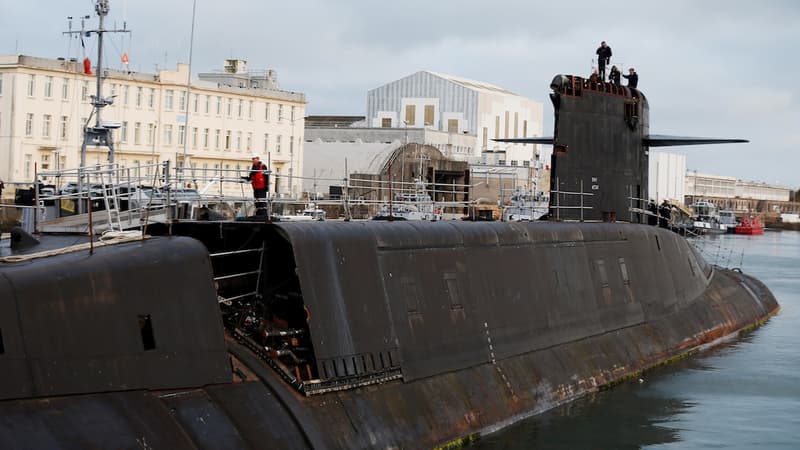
226,117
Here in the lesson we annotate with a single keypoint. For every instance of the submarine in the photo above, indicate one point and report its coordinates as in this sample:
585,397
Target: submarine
341,335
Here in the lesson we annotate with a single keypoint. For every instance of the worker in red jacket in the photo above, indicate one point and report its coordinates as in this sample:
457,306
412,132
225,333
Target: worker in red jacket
259,179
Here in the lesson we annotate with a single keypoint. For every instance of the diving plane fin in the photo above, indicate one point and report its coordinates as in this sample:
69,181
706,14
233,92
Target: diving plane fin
530,140
661,140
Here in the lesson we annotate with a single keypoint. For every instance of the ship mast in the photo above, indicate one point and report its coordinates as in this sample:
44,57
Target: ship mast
99,134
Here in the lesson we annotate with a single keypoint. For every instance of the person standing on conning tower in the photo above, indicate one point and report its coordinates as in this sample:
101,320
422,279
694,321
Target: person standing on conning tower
603,58
632,77
613,75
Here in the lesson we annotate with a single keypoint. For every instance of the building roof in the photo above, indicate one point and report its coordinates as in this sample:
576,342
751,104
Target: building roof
472,84
334,121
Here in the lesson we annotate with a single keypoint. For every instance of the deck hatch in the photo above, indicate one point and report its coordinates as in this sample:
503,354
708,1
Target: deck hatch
146,330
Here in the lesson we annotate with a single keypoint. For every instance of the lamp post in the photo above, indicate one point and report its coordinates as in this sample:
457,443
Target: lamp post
403,156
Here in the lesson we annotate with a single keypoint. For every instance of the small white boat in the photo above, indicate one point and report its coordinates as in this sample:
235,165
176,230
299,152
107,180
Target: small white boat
309,213
416,205
524,207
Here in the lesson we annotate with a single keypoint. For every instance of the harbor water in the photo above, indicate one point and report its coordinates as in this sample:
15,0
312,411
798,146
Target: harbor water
744,394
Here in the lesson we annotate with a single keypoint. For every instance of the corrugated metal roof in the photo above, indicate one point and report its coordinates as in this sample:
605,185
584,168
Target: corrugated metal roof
472,84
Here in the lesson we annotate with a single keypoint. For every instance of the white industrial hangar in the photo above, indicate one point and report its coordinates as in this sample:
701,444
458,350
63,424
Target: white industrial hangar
459,117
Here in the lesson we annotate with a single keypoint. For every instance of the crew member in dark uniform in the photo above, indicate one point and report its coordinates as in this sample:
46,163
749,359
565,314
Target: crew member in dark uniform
614,75
603,58
259,179
632,77
664,214
652,218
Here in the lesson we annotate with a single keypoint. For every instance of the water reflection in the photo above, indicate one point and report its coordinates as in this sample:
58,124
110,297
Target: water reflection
622,419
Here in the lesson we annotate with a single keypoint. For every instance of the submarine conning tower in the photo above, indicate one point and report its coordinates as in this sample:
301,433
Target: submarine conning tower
600,158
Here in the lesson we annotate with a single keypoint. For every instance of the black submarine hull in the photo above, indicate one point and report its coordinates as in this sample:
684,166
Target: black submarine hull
422,334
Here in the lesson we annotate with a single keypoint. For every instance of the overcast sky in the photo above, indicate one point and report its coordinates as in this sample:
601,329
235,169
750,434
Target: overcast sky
714,68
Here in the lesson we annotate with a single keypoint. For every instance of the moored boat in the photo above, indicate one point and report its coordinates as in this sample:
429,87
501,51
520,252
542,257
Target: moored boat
728,218
706,219
524,207
361,334
750,225
415,205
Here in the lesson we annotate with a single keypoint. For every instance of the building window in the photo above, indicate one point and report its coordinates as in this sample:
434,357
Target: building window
207,104
278,144
151,99
501,162
292,114
195,102
219,106
526,163
386,122
137,133
138,99
85,91
485,137
31,85
250,110
194,137
123,132
266,112
516,124
1,84
29,124
280,113
496,127
506,125
227,139
249,142
513,162
125,94
167,137
266,142
217,133
240,109
429,116
524,128
48,87
291,145
168,95
229,107
182,101
181,134
238,141
65,89
411,112
63,132
452,126
28,160
46,119
205,137
151,128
